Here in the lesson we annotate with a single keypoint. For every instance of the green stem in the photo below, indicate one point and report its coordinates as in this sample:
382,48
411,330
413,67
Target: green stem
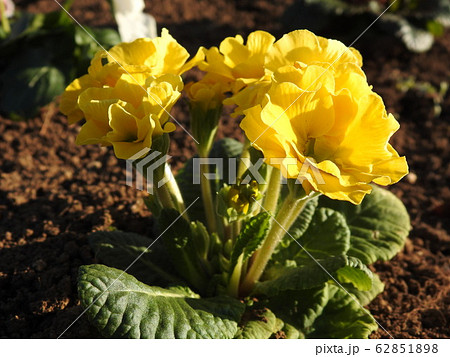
174,190
164,197
236,229
5,21
273,191
290,209
245,155
233,286
208,202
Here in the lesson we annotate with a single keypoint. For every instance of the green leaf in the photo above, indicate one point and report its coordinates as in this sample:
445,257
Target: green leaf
365,297
313,275
119,249
355,273
180,244
309,310
27,88
342,317
250,238
379,225
262,325
326,235
121,306
300,308
291,332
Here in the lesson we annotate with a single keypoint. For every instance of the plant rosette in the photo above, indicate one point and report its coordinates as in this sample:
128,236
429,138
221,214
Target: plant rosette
270,238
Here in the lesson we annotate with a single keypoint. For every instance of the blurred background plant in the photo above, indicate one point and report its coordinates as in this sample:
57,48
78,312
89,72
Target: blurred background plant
40,54
415,22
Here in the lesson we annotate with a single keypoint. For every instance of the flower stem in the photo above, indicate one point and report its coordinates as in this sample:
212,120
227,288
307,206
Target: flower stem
233,285
236,229
273,191
207,198
245,155
174,190
290,209
164,197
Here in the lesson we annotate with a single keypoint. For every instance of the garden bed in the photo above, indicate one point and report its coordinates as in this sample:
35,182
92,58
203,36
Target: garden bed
53,193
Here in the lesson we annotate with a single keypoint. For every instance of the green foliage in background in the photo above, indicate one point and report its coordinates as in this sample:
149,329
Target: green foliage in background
415,22
41,55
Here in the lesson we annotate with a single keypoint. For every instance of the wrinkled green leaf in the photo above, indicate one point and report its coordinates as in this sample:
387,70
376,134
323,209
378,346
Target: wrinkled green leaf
120,249
309,310
300,308
342,317
313,275
355,273
250,238
121,306
291,333
262,325
365,297
327,234
379,225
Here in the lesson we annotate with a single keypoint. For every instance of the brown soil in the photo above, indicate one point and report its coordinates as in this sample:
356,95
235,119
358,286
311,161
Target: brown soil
53,193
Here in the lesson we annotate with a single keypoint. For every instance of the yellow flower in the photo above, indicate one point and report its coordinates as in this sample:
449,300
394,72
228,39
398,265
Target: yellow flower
301,48
139,59
123,117
237,64
206,93
325,127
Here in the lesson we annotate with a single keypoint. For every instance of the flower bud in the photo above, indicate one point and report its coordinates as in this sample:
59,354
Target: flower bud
205,108
238,201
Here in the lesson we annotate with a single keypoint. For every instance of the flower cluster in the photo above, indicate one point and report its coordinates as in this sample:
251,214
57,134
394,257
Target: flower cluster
308,99
306,104
128,93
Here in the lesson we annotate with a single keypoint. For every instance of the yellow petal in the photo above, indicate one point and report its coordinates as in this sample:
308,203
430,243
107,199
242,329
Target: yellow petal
234,50
215,64
125,150
131,88
390,170
310,114
170,56
336,52
299,45
135,53
263,137
259,42
248,97
122,123
304,46
330,186
94,102
367,136
194,61
69,100
92,132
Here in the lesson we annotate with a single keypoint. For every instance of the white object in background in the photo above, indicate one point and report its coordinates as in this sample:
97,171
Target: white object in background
133,23
9,7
